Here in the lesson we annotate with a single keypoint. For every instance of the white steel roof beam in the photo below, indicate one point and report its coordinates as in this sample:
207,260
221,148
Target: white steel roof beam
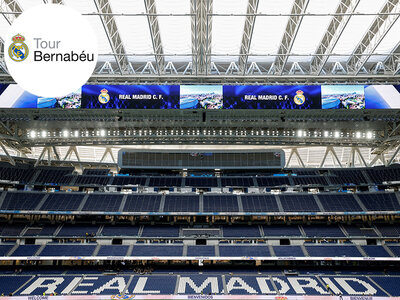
332,34
252,7
289,36
375,34
201,11
392,62
154,26
114,38
10,6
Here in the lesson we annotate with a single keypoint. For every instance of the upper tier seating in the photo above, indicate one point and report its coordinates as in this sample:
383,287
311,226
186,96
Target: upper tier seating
201,181
103,202
21,173
92,180
294,203
68,250
142,203
128,180
323,231
181,203
380,201
54,176
259,203
339,202
333,250
21,201
63,202
347,177
165,181
220,203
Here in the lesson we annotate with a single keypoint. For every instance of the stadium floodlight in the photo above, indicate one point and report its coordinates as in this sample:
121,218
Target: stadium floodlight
326,133
369,135
337,134
102,132
33,134
76,133
358,134
44,134
300,133
65,133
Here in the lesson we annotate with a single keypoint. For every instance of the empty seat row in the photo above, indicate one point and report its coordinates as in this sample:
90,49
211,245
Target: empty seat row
333,250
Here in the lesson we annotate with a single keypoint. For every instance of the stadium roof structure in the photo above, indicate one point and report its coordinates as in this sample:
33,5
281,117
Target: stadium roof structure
240,41
224,42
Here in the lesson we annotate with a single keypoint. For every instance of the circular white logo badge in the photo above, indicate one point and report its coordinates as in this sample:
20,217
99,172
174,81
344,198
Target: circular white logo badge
51,50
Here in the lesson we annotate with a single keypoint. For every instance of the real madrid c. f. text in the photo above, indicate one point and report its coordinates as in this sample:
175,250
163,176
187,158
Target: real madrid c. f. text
49,55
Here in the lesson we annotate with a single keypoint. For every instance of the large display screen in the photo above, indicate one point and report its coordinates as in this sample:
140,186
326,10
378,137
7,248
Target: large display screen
211,97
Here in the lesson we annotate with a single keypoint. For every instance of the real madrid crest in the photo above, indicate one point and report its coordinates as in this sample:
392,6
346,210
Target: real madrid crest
104,97
18,51
299,99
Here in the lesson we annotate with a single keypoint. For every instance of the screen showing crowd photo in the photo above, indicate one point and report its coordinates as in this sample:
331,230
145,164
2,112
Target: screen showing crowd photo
343,96
201,96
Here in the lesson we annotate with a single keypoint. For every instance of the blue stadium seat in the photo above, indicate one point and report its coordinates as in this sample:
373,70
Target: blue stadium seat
103,202
333,251
21,200
201,181
41,230
294,251
220,203
389,284
201,251
92,180
281,230
166,181
310,180
12,229
375,251
389,230
128,180
232,251
160,231
26,250
62,202
339,202
120,230
237,181
181,203
272,181
323,231
113,250
395,250
360,230
259,203
298,203
4,249
380,201
69,230
68,250
9,284
241,231
142,203
141,250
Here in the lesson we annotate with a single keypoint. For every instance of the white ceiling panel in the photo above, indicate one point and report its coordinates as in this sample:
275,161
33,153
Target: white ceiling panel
268,31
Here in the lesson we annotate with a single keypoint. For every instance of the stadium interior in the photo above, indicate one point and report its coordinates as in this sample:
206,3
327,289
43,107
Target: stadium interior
207,202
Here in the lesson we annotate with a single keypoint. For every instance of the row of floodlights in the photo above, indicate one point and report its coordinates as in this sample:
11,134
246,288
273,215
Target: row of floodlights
193,132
